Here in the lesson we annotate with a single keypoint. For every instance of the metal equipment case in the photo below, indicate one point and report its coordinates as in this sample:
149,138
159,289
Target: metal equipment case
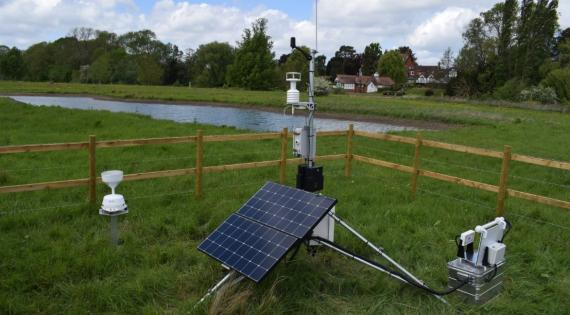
485,282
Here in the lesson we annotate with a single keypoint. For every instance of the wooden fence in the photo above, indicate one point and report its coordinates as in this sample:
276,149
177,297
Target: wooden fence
199,139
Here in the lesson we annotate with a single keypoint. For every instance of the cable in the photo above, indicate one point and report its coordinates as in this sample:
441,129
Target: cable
397,273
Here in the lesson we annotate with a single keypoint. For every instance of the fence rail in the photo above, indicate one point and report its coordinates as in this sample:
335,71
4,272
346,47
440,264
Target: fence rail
415,170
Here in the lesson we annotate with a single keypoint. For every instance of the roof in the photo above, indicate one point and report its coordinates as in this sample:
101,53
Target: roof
385,81
364,80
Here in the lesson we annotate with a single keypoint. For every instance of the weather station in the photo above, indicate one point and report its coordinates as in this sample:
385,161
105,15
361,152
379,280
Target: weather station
279,219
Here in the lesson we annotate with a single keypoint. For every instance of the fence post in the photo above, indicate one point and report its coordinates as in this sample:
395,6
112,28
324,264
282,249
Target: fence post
199,158
92,170
503,181
416,166
349,156
283,163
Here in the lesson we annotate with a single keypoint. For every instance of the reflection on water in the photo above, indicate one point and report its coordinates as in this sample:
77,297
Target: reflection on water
242,118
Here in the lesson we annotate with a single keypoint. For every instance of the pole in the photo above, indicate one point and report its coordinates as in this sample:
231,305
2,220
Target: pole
416,170
349,155
283,162
312,107
503,182
114,230
92,170
199,158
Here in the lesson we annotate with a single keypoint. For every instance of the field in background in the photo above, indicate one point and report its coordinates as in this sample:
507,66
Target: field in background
57,258
429,109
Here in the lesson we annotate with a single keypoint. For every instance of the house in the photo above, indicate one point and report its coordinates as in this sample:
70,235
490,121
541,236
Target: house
362,83
426,74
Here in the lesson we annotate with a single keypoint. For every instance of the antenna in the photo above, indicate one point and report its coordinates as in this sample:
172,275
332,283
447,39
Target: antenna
316,25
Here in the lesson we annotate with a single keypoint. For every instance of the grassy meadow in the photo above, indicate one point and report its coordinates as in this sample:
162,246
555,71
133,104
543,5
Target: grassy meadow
56,257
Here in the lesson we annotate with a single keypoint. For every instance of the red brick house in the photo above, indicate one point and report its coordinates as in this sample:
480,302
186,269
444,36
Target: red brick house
426,74
362,83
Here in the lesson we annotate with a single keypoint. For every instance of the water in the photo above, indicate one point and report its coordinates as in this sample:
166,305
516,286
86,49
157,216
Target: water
242,118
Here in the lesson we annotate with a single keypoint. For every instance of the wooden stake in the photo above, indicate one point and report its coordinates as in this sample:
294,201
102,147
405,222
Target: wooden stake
416,166
349,156
283,162
199,158
503,192
92,170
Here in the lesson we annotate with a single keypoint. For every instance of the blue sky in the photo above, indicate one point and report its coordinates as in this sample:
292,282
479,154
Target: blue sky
298,9
428,26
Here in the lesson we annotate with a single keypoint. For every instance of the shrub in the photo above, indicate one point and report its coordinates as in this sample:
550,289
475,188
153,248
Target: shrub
322,86
559,80
429,92
545,95
510,91
338,90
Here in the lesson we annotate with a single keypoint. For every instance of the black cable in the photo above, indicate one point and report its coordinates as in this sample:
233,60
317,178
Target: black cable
509,227
397,273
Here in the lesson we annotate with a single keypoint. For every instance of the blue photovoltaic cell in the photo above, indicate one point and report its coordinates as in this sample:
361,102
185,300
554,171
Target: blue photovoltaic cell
255,238
246,246
287,209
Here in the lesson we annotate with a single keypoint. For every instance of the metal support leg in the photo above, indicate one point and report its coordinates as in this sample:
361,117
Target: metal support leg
380,251
114,231
218,285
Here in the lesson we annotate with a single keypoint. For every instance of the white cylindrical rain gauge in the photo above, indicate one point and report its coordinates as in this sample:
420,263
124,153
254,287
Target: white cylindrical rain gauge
293,95
113,203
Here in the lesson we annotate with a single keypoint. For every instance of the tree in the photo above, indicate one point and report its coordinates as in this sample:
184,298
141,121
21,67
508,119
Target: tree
345,61
37,59
370,57
100,70
211,62
447,60
12,65
504,67
149,71
297,62
320,65
538,23
392,65
254,67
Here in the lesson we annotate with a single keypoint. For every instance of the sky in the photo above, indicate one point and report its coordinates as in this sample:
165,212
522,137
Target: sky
427,26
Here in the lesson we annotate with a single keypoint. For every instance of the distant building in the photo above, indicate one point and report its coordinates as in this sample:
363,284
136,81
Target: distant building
426,74
362,83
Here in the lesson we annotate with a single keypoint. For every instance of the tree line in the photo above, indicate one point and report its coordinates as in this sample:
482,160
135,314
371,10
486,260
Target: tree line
91,56
515,51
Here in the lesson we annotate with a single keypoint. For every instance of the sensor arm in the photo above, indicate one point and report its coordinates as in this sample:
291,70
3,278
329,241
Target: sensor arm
294,46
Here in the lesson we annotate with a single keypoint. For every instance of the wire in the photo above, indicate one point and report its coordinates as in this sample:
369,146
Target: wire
397,273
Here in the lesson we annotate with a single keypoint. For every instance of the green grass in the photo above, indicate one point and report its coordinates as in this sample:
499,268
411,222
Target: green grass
55,255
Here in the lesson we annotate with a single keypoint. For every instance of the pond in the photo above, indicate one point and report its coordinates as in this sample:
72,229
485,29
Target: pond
242,118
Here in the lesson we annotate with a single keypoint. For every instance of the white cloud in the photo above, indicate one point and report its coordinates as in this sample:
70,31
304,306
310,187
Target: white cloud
428,26
443,30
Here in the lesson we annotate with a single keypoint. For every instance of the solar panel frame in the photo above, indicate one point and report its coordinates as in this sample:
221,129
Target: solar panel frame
248,247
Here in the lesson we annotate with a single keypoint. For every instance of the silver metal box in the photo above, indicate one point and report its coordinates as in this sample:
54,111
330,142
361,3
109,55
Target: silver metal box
485,282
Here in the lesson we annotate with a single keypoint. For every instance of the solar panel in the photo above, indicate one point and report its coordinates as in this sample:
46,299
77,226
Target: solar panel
254,239
246,246
287,209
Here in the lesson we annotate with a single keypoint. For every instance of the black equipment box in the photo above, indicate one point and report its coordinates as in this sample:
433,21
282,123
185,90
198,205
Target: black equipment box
310,178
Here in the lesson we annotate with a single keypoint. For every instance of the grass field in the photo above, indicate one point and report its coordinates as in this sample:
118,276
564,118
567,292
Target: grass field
56,257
